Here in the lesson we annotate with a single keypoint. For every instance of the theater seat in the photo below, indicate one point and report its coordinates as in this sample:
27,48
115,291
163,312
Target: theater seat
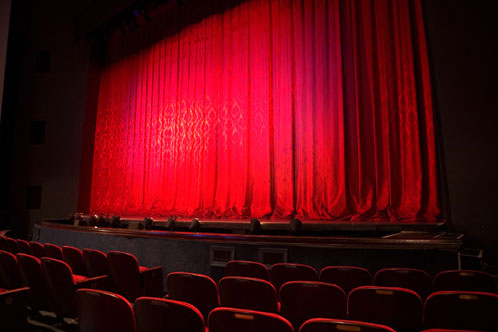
53,251
464,280
102,311
249,269
24,246
13,310
196,289
37,248
417,280
32,276
462,310
281,273
346,277
398,308
131,280
239,320
12,245
248,293
334,325
153,314
302,300
62,285
9,272
74,257
95,262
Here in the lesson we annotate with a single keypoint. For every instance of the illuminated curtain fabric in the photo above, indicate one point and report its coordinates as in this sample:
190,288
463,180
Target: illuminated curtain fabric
313,109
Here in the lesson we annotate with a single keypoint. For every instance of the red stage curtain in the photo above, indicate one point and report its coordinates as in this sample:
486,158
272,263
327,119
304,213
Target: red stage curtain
316,109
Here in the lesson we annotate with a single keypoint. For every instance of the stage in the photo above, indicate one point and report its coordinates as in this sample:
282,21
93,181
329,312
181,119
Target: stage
369,245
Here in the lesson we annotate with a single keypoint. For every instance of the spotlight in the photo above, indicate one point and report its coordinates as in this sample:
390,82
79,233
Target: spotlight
295,226
170,224
195,225
148,223
116,221
255,226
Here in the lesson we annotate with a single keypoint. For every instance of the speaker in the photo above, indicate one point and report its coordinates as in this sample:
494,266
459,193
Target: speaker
170,224
295,226
116,221
148,223
255,226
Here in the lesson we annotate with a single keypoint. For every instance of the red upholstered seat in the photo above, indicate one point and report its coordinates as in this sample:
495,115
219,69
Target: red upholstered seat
240,320
9,272
417,280
62,284
346,277
248,293
74,257
53,251
32,276
95,262
196,289
24,246
12,245
13,310
281,273
464,280
102,311
462,310
398,308
249,269
333,325
37,248
131,280
302,300
153,314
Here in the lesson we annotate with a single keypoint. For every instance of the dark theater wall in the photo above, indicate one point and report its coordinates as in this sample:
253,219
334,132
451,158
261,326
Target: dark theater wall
462,37
463,42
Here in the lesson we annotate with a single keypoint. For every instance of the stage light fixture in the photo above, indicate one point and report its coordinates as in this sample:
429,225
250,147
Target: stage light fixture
116,221
295,226
195,225
255,226
148,223
170,224
92,221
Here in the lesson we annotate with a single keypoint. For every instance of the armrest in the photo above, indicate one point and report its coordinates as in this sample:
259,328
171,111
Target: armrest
99,282
153,281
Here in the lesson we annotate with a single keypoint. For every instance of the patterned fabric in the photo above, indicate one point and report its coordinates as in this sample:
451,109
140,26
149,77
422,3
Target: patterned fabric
312,109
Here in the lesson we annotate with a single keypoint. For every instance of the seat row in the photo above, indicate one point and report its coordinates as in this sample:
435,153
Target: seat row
350,277
298,301
102,311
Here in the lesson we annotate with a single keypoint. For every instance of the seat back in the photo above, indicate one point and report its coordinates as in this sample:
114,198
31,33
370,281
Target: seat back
37,248
32,276
125,274
60,286
12,245
248,293
13,310
464,280
24,246
74,257
95,262
346,277
155,314
3,243
302,300
417,280
230,320
196,289
9,272
462,310
281,273
53,251
333,325
398,308
247,269
102,311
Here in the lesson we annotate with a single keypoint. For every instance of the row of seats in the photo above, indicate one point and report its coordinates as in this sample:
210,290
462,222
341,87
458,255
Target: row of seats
101,311
298,301
350,277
